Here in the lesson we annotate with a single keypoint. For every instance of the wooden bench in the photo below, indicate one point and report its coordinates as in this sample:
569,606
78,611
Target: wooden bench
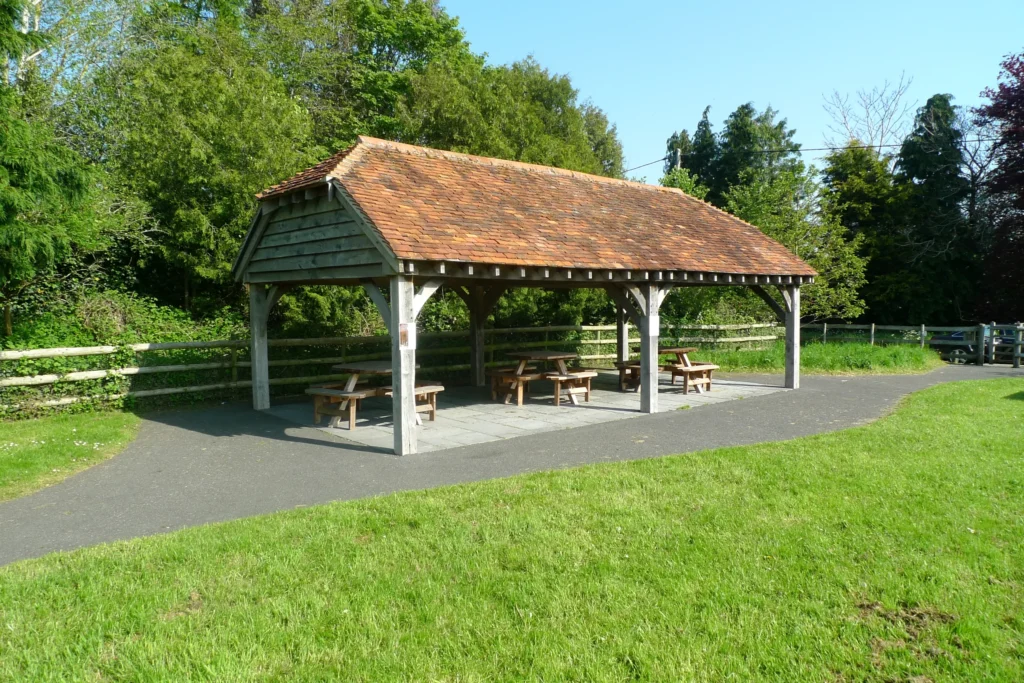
426,398
574,383
697,375
503,379
629,374
326,395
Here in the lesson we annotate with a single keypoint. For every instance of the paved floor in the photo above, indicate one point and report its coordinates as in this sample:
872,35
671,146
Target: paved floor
467,416
197,466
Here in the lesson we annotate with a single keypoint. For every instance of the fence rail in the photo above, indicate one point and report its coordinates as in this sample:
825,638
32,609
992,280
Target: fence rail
174,368
41,378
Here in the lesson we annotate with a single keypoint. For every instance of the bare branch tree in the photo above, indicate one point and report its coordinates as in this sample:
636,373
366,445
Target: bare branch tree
876,117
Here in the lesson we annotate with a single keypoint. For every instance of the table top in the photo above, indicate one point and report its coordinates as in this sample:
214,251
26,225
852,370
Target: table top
542,355
677,349
366,367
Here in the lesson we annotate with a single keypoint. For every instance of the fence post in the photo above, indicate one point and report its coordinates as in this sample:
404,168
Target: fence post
1018,344
824,333
872,334
979,342
992,343
923,334
234,364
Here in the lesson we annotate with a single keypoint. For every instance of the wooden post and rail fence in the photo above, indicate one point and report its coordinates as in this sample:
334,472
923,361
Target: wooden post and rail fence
155,364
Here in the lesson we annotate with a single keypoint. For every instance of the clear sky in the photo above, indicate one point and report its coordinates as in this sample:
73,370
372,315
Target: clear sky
653,65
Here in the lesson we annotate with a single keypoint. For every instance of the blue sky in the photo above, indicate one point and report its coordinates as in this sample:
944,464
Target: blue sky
654,65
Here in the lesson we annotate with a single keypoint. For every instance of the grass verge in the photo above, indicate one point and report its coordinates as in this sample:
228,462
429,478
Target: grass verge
887,552
42,451
829,359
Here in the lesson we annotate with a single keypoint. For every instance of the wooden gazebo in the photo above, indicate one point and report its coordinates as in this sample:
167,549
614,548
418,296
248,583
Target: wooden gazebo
389,216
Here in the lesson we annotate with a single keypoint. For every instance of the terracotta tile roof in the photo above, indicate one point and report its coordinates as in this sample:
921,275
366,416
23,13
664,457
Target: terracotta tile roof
442,206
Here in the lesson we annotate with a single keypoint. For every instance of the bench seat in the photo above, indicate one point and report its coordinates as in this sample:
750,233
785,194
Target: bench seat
324,398
574,383
426,398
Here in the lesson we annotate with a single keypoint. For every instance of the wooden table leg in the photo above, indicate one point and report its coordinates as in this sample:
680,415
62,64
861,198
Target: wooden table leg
517,385
563,369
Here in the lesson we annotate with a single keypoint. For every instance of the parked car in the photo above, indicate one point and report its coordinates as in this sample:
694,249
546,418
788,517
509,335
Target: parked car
965,350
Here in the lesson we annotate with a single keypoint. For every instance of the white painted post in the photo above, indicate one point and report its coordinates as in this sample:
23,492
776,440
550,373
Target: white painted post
793,338
650,327
403,364
924,334
622,335
824,333
872,334
259,308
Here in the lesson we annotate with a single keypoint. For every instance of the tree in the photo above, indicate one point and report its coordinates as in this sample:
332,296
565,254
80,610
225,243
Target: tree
519,112
877,117
682,179
1003,291
941,255
351,63
704,152
783,205
196,129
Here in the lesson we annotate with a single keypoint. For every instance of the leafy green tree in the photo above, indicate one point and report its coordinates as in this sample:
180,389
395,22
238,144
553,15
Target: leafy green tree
518,112
682,179
783,204
196,129
351,63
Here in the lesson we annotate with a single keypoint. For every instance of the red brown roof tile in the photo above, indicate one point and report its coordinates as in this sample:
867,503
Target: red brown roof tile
441,206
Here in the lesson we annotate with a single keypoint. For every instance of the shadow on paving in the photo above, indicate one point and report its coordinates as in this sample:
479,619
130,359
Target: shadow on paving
192,467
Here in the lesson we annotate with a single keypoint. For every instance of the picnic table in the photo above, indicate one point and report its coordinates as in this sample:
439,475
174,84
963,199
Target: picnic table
695,373
336,399
574,383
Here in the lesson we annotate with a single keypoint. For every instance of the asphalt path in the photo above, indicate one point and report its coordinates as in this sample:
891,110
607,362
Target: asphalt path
192,467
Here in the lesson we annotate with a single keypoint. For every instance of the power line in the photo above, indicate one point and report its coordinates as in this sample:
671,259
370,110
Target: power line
801,150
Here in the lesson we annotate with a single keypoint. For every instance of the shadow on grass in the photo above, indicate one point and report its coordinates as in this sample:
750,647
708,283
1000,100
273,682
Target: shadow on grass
1019,396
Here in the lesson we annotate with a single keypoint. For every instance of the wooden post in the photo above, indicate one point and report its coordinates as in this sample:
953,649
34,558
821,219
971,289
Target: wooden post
477,320
621,334
650,327
824,333
872,334
260,301
1018,344
979,343
793,336
992,343
403,364
924,334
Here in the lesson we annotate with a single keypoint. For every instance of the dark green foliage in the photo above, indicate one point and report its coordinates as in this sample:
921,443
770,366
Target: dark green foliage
1002,296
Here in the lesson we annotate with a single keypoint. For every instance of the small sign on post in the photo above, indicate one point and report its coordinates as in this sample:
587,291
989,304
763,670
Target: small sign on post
407,335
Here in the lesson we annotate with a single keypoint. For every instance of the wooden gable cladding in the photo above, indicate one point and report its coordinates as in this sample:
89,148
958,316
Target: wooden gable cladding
311,240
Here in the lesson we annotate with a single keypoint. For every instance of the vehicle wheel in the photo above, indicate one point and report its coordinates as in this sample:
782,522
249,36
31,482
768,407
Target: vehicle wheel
958,356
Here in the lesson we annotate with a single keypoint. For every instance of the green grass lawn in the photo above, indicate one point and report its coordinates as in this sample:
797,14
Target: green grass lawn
39,452
890,552
829,359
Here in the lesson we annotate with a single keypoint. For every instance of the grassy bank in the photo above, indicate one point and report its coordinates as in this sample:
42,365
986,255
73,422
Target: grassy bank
829,359
886,552
39,452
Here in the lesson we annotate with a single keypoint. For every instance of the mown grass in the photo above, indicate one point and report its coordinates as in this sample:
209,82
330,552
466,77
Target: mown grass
881,553
42,451
829,359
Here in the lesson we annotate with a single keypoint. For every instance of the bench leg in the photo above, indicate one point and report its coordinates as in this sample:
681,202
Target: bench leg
558,392
316,410
519,393
588,391
433,407
352,414
494,388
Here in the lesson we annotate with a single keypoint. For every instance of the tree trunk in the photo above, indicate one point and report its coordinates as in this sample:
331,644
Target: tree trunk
8,320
